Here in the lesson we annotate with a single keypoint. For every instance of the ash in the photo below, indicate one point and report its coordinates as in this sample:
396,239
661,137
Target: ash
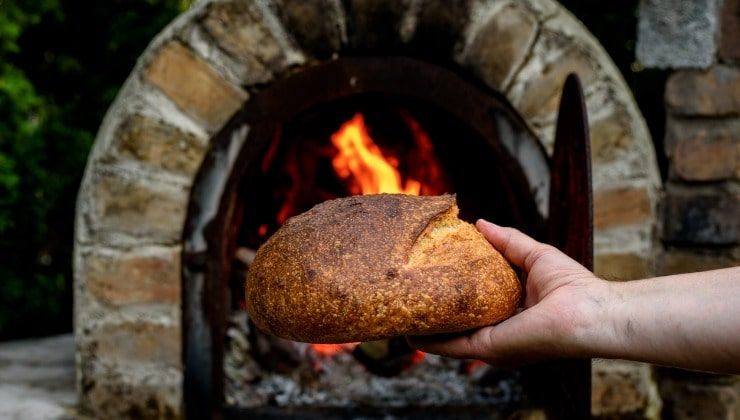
339,380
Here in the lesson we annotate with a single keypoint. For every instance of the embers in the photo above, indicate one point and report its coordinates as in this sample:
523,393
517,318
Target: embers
304,377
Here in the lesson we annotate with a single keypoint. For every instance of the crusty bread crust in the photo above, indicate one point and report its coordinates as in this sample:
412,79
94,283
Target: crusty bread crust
377,266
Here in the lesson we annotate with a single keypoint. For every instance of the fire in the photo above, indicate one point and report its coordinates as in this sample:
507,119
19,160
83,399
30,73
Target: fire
417,357
365,168
332,349
361,162
473,365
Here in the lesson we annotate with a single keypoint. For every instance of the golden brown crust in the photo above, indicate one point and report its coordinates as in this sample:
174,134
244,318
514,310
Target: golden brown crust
370,267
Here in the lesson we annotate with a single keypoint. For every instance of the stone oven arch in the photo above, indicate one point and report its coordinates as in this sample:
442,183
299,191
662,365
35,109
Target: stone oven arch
211,60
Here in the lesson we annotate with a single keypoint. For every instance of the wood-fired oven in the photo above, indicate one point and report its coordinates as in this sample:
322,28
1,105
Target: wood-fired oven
242,113
358,126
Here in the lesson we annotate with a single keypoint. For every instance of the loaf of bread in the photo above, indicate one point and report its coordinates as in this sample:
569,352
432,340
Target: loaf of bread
377,266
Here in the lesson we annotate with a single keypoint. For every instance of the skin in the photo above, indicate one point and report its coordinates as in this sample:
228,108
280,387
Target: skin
690,321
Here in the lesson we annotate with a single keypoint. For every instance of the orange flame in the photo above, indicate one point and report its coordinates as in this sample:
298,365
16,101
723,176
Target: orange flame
361,162
474,365
332,349
417,357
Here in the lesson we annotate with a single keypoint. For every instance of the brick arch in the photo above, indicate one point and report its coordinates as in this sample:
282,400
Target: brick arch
210,60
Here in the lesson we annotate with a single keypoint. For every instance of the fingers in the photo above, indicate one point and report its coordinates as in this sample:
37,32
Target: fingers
465,346
522,339
511,243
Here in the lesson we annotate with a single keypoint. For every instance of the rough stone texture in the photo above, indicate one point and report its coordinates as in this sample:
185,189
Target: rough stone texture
611,136
682,260
250,33
714,92
37,379
561,48
130,363
705,216
147,275
501,45
560,55
138,342
689,400
119,398
193,86
158,144
701,226
137,208
625,266
622,389
729,46
242,70
314,24
677,33
703,150
622,206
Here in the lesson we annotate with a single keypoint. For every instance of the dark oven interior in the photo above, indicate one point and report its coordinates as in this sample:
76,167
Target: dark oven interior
346,127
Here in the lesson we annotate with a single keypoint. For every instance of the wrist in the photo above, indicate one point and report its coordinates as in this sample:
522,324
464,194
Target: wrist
598,332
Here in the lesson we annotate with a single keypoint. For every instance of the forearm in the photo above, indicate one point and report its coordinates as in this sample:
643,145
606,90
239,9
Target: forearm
690,321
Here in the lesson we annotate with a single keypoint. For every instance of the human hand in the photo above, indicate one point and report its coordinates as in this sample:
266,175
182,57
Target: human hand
561,300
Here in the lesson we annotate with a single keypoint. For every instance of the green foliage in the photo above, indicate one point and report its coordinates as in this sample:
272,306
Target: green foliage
61,64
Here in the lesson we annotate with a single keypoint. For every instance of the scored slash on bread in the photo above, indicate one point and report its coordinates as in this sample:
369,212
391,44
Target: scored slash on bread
369,267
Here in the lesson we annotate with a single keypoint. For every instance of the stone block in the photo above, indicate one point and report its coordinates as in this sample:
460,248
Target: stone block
714,92
138,207
120,400
158,144
149,275
729,46
677,33
682,260
622,389
611,136
193,85
700,400
440,25
241,29
702,215
623,266
703,150
537,88
374,24
137,342
314,24
501,45
621,207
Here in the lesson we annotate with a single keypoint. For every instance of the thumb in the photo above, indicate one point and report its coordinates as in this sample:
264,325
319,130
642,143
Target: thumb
514,245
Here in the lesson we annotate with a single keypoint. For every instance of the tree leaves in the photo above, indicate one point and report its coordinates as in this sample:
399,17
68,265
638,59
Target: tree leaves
61,64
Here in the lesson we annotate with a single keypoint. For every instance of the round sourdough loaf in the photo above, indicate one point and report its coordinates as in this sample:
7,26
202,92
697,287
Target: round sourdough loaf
376,266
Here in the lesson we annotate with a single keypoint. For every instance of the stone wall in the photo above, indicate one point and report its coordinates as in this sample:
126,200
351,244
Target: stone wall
212,59
700,42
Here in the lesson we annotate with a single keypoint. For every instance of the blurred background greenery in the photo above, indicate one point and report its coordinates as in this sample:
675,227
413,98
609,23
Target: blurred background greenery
61,64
